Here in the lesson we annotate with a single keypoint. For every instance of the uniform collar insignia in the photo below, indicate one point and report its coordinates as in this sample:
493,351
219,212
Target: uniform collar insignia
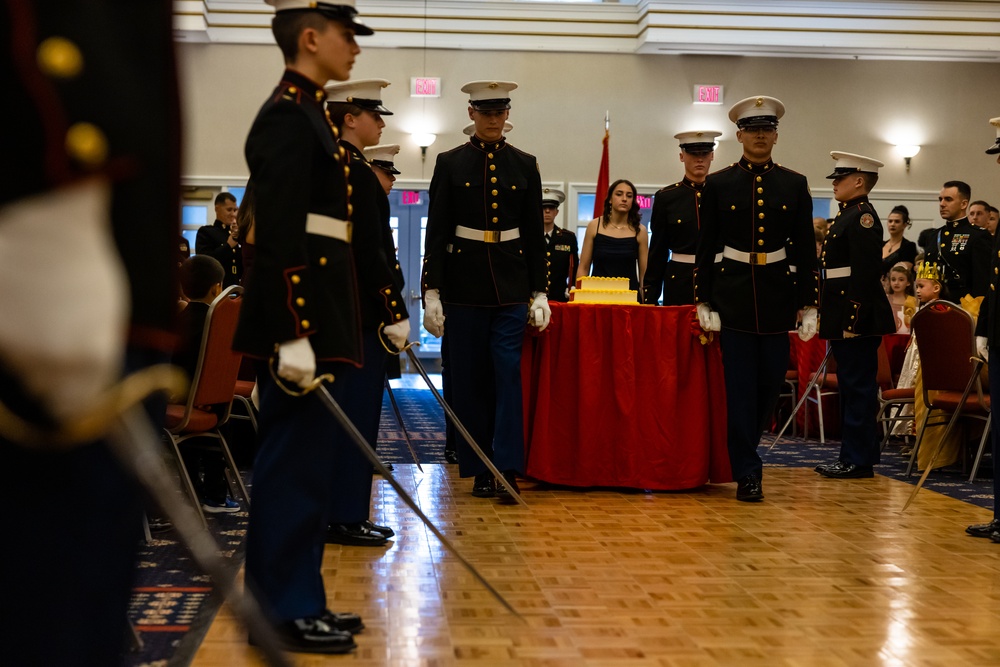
292,79
756,168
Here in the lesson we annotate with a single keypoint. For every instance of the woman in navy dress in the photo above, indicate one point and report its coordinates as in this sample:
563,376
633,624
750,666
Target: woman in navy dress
616,244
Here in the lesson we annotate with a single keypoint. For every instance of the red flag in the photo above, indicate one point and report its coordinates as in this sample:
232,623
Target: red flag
603,182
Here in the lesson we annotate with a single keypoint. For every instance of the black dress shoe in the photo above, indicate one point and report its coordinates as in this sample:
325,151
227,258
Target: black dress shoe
354,535
484,486
749,489
343,621
995,537
826,466
384,531
451,456
984,529
843,470
312,635
510,481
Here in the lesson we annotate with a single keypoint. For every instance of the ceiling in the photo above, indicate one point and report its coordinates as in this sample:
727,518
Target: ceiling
890,30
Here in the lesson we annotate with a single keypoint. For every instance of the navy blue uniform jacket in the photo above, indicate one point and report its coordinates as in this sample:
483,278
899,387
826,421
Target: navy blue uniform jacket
485,186
675,223
302,284
760,208
856,303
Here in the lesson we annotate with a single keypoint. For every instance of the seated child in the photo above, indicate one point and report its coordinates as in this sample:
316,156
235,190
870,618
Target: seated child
901,296
201,281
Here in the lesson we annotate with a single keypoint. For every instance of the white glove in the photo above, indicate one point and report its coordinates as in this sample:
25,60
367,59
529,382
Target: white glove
63,298
433,313
810,318
539,312
708,318
399,333
297,361
983,348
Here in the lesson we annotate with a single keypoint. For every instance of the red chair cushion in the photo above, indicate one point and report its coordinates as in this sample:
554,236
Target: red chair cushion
201,420
244,388
898,394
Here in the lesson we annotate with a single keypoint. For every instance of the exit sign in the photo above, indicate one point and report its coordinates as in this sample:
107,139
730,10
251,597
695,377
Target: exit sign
422,86
707,94
410,198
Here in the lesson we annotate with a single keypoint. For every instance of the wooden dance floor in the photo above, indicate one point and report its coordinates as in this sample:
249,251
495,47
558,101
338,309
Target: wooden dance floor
823,572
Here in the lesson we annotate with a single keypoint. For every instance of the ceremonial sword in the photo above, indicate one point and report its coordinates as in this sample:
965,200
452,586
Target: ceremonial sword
805,394
461,427
121,422
399,418
947,430
323,394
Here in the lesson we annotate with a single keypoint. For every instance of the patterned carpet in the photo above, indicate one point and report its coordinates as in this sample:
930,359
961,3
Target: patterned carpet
173,606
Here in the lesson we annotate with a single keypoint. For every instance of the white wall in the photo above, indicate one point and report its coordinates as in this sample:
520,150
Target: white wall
559,108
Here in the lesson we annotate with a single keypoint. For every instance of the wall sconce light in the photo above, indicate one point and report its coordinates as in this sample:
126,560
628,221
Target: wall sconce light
907,151
423,139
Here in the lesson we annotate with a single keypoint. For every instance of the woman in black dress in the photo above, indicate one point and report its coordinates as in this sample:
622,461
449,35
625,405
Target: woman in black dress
898,250
616,245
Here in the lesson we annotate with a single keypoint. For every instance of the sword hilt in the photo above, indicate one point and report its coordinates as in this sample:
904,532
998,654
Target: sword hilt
389,346
316,383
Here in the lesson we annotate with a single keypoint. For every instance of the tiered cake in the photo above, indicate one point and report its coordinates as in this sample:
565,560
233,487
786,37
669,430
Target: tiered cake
592,289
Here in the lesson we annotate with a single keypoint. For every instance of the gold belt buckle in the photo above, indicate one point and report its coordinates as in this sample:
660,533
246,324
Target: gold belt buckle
758,258
491,236
350,230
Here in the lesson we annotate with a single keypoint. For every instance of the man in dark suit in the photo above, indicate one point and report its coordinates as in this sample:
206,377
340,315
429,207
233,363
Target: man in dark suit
756,272
853,312
218,240
301,302
561,256
91,94
675,223
959,248
355,109
988,345
484,261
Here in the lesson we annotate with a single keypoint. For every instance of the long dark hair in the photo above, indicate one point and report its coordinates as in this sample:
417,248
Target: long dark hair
903,211
634,216
246,212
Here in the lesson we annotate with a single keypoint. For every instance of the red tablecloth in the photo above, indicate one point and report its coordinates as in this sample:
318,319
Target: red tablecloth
624,396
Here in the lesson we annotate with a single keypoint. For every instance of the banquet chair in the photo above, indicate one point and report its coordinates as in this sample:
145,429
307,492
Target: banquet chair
242,397
950,369
826,385
891,401
790,391
210,398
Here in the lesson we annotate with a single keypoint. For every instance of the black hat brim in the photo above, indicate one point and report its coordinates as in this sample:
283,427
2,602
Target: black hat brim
994,149
498,104
345,15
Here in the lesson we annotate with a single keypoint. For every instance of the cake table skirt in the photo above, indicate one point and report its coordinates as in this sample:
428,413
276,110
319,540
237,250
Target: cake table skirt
624,396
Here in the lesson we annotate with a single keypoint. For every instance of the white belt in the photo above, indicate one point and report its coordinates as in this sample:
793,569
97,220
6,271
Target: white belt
324,225
681,258
488,235
842,272
755,258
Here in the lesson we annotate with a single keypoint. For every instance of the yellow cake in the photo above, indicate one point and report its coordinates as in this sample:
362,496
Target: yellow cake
594,289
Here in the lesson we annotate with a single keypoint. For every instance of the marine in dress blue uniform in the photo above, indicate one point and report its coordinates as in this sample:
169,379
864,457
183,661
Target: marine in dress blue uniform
988,345
853,312
382,159
484,261
93,117
382,306
675,223
561,256
755,270
959,248
301,303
